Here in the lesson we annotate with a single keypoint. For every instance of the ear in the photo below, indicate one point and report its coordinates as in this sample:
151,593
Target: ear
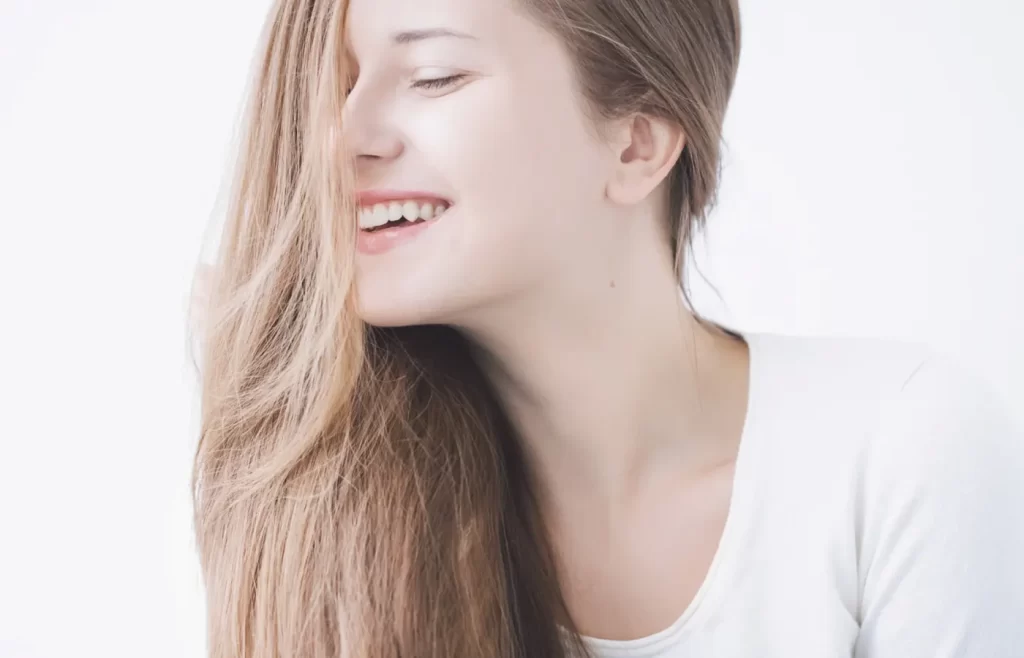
647,149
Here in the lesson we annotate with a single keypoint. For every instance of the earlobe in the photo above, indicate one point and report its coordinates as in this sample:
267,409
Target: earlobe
648,150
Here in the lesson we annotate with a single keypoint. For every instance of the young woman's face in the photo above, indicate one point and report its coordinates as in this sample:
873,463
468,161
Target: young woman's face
500,137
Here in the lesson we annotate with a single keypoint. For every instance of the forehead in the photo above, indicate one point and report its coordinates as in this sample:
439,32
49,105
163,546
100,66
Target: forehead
372,23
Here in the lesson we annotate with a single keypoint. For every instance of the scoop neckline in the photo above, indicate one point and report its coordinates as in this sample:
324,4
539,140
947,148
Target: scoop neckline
723,561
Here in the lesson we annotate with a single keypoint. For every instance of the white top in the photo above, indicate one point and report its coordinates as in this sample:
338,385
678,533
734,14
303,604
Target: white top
877,512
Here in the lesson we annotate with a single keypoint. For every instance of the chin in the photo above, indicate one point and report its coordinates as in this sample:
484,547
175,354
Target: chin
388,306
392,315
422,291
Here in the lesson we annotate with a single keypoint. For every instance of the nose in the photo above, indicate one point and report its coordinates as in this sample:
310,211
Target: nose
369,131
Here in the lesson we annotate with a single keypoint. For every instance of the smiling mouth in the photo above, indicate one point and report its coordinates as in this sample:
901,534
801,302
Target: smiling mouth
399,214
385,226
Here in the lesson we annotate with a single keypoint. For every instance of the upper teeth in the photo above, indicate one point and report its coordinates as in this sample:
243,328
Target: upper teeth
382,213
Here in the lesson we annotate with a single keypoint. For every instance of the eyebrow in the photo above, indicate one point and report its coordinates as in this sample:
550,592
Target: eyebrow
411,36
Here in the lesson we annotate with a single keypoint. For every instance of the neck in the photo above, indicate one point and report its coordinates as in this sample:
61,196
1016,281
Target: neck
611,385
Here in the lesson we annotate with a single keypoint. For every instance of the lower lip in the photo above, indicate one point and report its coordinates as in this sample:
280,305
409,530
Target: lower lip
378,242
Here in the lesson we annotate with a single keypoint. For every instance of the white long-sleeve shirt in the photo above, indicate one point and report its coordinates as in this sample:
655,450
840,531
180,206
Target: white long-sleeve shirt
877,512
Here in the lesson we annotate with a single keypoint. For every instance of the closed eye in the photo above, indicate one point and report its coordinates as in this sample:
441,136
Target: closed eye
438,83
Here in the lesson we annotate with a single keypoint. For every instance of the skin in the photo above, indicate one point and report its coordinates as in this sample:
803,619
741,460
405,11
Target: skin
555,261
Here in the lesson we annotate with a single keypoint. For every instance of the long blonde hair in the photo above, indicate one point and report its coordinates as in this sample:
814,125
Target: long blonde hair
359,491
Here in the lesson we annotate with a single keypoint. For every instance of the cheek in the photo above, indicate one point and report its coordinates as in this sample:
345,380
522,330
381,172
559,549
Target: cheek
524,158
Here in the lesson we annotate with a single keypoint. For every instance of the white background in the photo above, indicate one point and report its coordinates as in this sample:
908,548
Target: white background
872,186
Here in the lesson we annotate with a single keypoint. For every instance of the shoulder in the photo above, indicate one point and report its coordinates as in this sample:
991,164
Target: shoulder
888,379
888,413
824,396
943,424
938,503
925,468
846,362
933,467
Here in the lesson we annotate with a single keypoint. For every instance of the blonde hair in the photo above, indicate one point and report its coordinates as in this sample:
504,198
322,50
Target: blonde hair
359,491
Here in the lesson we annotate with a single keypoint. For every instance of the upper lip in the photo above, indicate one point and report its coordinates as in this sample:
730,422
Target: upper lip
370,197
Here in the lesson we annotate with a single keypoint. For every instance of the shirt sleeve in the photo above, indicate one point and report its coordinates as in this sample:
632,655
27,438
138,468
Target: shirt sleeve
941,523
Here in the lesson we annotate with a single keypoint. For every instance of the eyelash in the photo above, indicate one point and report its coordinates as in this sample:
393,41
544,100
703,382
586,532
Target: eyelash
438,83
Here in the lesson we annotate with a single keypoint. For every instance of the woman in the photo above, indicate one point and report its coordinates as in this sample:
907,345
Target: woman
456,403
